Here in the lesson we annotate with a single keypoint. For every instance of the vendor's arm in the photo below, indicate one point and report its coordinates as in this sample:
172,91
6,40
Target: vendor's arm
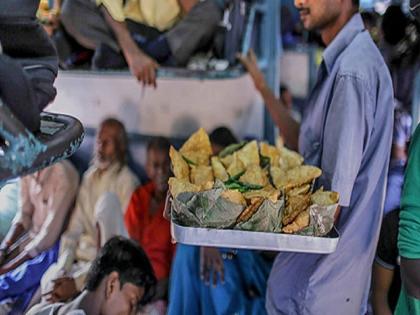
289,128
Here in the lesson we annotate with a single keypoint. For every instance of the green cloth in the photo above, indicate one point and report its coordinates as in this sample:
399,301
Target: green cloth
409,230
407,305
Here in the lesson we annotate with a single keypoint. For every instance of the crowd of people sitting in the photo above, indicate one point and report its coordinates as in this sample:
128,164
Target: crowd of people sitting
68,247
140,35
49,251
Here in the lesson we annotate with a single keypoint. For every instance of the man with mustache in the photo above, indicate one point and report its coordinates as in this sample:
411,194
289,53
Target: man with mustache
346,130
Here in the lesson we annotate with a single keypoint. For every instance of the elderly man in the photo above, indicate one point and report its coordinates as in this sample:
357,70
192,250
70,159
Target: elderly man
108,177
346,130
31,245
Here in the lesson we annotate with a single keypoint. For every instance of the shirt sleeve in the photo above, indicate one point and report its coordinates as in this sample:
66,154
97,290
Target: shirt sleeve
115,8
60,201
24,216
346,132
409,229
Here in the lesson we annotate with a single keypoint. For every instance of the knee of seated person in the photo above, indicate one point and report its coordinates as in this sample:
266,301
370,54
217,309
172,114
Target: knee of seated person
107,200
209,11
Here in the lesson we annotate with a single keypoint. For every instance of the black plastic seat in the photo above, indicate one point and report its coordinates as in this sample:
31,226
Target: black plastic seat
23,152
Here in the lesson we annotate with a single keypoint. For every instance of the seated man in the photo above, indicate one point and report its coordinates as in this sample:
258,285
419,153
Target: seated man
108,176
144,217
120,279
141,33
31,245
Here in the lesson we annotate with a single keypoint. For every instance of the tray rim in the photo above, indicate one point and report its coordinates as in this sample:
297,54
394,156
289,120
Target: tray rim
211,237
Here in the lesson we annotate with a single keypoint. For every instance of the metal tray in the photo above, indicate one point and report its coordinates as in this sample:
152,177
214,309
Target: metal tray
255,240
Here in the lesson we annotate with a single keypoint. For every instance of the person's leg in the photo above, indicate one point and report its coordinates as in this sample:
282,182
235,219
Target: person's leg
21,283
16,91
83,20
194,31
184,294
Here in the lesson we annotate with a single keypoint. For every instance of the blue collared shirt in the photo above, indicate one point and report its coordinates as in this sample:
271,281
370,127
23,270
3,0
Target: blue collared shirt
346,131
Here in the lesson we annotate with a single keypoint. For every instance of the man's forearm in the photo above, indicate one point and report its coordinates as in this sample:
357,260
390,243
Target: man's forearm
16,262
187,5
380,305
288,127
121,32
14,233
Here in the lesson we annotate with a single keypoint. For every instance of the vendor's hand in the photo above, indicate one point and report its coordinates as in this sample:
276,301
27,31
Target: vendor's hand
251,65
64,289
211,263
143,68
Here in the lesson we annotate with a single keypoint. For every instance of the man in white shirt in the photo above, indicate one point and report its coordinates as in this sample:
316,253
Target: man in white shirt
108,176
31,244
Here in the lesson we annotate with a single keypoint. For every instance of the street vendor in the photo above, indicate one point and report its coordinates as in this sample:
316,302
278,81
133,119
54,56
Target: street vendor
346,130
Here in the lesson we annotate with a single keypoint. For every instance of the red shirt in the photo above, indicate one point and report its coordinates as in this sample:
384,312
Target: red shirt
151,231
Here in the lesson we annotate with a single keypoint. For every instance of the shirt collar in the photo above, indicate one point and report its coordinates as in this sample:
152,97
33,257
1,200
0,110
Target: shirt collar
342,40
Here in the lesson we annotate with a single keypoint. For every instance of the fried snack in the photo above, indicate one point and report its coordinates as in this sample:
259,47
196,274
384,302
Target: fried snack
177,186
301,222
289,159
301,190
207,185
234,196
179,165
254,175
249,154
294,206
250,210
270,152
324,198
197,148
218,169
227,160
268,192
278,176
236,166
298,176
201,175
